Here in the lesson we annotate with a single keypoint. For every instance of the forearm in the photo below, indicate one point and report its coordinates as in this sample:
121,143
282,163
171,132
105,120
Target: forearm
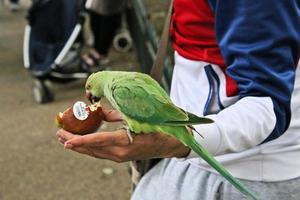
241,126
260,49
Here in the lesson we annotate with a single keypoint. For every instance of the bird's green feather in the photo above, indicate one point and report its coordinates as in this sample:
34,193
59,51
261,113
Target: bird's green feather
192,120
147,108
182,134
140,101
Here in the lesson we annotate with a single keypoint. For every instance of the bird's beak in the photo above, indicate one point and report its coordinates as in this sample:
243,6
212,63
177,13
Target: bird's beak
88,96
95,99
91,98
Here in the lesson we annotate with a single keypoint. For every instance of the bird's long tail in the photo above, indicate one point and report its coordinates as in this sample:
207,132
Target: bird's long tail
205,155
190,141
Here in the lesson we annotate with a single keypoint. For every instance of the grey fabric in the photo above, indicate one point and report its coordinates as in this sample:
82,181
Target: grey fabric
106,7
177,180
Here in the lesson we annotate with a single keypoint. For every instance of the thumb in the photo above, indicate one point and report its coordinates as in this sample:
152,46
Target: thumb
99,140
65,135
74,143
83,140
112,115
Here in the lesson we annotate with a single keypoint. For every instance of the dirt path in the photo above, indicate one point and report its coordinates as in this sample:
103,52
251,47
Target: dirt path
33,166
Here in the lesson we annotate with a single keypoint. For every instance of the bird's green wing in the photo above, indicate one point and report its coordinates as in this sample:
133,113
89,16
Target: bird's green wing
143,102
192,120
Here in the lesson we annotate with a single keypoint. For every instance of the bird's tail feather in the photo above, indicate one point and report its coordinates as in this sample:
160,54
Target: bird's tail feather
205,155
182,135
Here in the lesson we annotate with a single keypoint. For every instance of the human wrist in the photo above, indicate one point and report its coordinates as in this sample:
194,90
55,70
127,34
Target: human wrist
182,152
178,149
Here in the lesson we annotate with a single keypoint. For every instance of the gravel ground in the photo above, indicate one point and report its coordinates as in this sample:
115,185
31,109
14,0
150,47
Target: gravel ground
33,165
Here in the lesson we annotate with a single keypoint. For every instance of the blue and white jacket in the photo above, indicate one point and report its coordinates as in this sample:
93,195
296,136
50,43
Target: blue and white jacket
256,133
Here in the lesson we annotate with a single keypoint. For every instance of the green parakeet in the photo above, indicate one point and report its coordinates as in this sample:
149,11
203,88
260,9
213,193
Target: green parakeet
147,108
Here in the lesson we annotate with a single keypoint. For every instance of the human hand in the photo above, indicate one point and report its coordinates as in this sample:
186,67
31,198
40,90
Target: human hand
115,145
111,115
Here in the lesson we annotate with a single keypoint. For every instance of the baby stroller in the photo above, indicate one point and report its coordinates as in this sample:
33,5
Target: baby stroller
52,44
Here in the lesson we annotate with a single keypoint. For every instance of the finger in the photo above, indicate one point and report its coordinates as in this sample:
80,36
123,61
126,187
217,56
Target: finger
96,154
83,150
85,140
115,138
63,134
116,153
124,154
61,140
100,139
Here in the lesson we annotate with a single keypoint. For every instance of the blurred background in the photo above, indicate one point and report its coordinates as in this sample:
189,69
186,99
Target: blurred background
33,165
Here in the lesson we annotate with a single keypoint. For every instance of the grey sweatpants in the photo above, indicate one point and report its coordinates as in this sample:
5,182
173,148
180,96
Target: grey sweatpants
175,180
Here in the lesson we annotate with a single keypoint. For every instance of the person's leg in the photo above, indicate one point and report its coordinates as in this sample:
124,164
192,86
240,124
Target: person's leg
281,190
92,57
106,26
172,179
94,24
103,28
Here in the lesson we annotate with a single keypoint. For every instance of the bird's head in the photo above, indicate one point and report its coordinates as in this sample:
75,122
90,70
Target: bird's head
94,87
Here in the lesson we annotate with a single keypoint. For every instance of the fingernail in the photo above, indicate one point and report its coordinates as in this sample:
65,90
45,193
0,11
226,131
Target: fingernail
61,140
58,133
68,146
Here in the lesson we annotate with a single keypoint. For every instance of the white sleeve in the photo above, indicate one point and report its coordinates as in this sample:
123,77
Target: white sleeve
238,127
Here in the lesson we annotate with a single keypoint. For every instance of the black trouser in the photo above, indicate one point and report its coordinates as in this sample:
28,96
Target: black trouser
104,28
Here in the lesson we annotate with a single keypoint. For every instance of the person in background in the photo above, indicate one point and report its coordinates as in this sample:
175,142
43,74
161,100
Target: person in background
105,20
236,63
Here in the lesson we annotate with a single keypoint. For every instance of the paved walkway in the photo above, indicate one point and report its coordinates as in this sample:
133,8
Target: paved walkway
33,165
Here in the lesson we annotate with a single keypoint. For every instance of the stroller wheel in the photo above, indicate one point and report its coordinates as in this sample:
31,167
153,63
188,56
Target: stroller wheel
42,91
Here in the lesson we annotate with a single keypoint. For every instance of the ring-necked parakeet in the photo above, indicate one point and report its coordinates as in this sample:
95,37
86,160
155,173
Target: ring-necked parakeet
147,108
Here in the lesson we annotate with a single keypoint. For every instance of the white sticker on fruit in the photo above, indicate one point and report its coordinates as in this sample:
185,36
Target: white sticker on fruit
80,110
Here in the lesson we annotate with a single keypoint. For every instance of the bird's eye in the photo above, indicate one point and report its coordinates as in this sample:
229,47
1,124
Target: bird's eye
88,87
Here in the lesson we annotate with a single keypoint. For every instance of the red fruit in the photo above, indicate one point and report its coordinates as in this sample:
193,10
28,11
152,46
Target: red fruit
80,119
